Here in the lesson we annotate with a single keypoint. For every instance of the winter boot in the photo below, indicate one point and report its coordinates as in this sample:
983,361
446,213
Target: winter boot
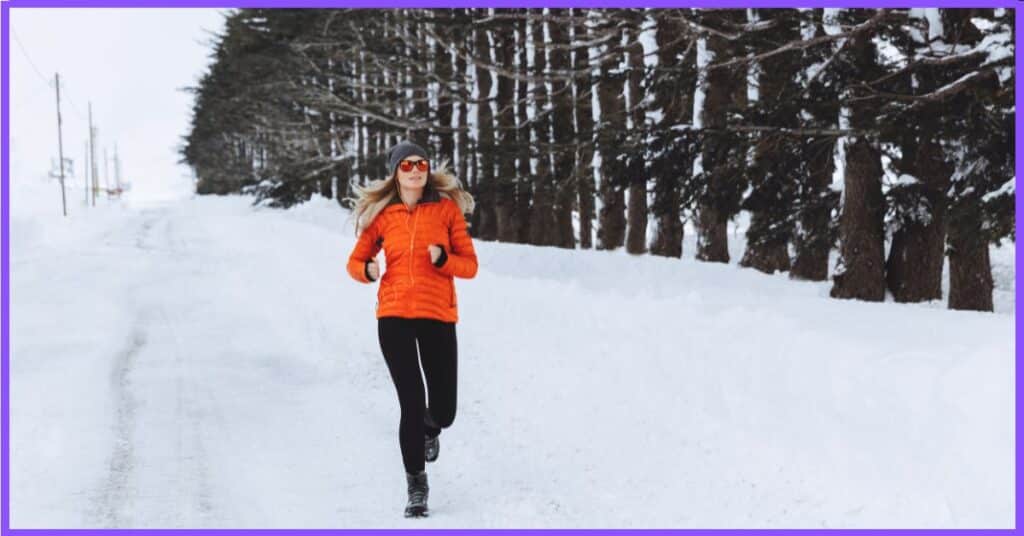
432,447
417,505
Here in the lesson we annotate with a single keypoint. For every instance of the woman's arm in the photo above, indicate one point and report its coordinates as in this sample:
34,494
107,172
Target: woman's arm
366,249
461,260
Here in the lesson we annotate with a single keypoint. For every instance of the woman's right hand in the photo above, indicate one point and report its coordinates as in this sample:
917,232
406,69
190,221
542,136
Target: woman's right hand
373,269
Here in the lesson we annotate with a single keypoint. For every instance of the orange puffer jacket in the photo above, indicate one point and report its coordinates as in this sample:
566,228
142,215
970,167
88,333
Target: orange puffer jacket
412,286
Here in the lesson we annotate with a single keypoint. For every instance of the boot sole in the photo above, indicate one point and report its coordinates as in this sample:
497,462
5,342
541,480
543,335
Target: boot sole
417,512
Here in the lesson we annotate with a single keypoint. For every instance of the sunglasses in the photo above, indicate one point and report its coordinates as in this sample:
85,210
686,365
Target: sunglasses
407,165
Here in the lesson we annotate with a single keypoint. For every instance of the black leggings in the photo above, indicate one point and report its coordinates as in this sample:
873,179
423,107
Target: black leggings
438,353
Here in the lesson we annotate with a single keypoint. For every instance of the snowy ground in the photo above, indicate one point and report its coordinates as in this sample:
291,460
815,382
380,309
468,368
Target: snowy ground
201,363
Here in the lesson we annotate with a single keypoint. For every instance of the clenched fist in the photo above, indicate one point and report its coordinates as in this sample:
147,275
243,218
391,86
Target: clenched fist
435,253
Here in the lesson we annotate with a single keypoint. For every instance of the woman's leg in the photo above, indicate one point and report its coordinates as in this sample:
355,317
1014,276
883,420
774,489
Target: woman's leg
398,344
439,354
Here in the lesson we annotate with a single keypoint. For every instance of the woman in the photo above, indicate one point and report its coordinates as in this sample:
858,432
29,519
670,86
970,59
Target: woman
416,216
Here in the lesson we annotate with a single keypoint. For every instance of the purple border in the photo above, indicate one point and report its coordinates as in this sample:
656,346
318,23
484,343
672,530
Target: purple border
489,532
5,225
5,6
510,3
1018,17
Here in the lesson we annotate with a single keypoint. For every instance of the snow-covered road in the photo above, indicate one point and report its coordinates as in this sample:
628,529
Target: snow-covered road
205,364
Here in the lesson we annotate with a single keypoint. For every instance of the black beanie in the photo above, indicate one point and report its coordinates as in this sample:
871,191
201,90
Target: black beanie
402,151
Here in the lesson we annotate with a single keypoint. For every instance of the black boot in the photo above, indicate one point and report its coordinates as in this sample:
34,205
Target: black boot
417,505
431,448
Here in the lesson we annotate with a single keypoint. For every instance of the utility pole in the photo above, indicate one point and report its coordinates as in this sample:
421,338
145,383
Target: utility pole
85,173
60,150
92,156
106,172
117,171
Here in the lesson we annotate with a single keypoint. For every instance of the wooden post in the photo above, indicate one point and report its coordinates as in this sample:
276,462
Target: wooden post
92,156
60,150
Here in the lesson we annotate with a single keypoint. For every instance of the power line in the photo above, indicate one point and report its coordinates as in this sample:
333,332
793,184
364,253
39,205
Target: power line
43,78
29,58
72,101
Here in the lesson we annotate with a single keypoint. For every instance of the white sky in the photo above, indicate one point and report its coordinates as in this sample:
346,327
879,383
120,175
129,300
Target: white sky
130,63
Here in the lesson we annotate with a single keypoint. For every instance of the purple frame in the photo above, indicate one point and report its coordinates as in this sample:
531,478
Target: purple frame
6,5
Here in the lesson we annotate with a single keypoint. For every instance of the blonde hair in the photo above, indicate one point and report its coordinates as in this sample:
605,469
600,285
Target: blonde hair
371,199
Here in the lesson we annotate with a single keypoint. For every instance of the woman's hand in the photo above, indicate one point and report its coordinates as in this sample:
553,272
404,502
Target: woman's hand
373,269
435,253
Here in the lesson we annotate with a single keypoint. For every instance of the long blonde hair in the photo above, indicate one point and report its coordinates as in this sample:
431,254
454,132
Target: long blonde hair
371,199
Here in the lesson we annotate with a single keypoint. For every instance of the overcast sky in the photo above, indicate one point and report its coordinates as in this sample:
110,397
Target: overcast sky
131,64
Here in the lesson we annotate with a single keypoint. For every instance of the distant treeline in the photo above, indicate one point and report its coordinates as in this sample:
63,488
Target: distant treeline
580,127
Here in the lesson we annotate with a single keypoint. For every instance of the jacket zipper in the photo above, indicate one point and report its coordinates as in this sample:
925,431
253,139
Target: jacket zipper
412,244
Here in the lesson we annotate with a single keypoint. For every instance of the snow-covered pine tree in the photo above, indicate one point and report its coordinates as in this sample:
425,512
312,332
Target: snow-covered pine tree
670,145
778,167
982,188
860,268
723,177
814,234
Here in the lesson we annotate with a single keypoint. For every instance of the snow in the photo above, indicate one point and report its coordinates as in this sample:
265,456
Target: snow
648,39
106,58
905,180
704,58
210,364
889,52
1008,188
754,68
935,30
807,29
839,173
829,21
203,363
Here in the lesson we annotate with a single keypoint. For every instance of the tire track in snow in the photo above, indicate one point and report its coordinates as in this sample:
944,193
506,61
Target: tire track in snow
190,455
157,475
112,502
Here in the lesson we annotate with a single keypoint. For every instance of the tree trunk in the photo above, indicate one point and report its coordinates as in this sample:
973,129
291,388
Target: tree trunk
418,54
462,138
917,253
542,221
505,201
487,229
860,271
676,104
524,185
563,133
445,83
636,236
612,229
970,270
776,166
584,170
812,239
724,89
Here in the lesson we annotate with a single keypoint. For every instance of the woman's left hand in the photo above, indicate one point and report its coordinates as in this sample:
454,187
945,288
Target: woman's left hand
435,253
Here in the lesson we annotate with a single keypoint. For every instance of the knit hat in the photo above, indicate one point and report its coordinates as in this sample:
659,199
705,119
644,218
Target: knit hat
402,151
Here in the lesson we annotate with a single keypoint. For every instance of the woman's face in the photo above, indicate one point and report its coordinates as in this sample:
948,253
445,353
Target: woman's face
412,173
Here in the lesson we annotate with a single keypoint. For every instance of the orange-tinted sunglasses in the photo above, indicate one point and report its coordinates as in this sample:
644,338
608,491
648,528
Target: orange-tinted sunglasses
407,165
